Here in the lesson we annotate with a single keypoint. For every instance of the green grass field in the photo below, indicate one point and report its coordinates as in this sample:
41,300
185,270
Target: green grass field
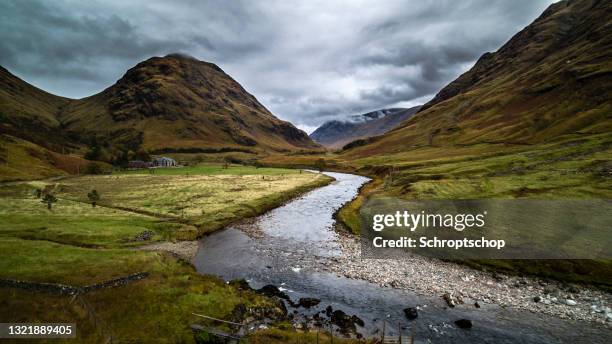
157,307
77,244
214,169
204,198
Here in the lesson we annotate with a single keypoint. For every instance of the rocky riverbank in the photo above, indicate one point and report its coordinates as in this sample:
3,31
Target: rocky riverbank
459,284
455,284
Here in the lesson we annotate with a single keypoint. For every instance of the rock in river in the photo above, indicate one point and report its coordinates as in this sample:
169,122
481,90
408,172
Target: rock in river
411,313
449,300
273,291
308,302
464,323
345,322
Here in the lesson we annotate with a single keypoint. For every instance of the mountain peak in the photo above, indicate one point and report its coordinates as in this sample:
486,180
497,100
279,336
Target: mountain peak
176,86
182,56
335,134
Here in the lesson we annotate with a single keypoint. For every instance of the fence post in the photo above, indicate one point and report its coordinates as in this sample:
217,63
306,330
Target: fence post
384,327
399,331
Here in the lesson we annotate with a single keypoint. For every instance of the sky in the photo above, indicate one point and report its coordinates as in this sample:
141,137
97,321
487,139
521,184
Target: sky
307,61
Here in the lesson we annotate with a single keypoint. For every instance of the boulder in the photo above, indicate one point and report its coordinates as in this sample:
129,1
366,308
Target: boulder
308,302
272,291
358,321
346,323
411,313
449,300
464,323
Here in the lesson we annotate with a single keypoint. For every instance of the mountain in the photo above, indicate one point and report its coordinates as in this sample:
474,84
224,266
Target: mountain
30,132
335,134
30,113
553,78
177,103
164,104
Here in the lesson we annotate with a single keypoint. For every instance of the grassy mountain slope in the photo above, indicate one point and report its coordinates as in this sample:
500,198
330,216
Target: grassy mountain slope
177,102
31,134
552,78
30,113
22,160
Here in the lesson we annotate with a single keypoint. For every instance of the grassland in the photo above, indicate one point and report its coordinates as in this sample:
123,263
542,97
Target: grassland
79,245
204,198
574,166
213,169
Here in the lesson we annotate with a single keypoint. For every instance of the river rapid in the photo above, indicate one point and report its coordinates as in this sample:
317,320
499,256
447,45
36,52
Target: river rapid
290,246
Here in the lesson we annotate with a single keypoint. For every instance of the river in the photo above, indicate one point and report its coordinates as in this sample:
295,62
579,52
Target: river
281,246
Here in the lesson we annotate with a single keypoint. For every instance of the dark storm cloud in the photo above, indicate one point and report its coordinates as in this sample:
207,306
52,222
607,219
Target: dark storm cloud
308,61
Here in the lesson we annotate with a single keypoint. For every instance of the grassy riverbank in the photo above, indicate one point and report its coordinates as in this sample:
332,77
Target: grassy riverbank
570,167
79,245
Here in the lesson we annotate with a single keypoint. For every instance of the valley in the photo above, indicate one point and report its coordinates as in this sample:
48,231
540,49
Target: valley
174,206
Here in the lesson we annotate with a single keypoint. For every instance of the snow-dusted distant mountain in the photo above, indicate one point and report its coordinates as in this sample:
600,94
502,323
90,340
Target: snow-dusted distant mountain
335,134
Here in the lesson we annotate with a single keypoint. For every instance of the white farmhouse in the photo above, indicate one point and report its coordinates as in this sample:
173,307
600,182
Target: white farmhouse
164,162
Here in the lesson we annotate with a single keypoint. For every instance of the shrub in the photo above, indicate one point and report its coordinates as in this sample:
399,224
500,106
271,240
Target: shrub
49,199
93,197
320,164
93,168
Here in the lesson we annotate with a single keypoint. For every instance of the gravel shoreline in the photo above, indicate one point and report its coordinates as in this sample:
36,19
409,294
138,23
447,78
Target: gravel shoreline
462,284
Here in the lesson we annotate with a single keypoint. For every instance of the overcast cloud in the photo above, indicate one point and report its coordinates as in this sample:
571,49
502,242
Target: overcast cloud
307,61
